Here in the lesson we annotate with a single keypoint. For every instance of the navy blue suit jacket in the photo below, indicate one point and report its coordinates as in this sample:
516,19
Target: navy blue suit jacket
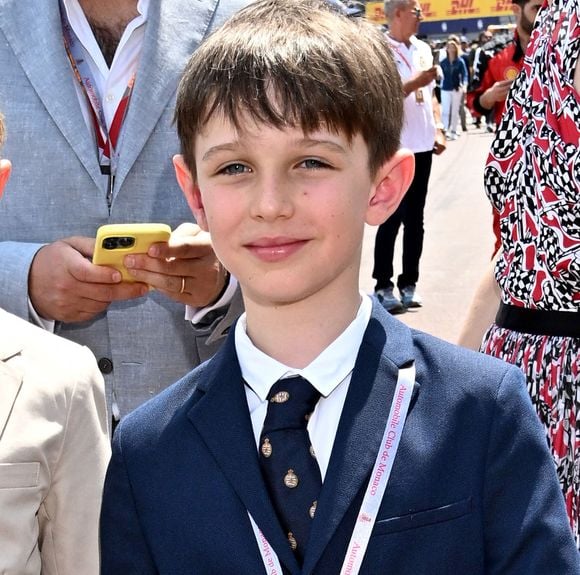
473,488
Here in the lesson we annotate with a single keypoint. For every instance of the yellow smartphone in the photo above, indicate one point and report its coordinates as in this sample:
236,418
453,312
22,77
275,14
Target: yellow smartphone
115,241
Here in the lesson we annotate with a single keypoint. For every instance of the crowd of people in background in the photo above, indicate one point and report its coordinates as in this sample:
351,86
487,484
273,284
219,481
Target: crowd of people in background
476,73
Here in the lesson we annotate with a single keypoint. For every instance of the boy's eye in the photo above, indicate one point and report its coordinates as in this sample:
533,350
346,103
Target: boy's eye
234,169
313,164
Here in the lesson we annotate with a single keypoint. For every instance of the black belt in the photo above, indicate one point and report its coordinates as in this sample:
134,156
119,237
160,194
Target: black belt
538,321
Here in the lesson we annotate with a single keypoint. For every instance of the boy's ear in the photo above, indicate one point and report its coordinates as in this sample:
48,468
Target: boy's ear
190,189
391,182
5,168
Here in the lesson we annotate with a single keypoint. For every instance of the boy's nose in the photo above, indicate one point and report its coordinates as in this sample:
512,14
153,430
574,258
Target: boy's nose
272,199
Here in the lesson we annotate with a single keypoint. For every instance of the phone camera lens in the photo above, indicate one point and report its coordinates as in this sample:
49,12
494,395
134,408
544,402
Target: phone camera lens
110,243
126,242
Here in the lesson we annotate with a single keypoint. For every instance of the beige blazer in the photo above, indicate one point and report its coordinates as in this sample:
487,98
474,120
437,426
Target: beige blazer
54,451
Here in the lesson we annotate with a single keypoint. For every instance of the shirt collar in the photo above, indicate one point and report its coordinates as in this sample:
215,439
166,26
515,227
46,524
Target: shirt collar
143,7
412,42
73,6
325,372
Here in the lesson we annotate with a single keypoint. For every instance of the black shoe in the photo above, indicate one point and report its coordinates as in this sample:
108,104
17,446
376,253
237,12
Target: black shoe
410,298
390,301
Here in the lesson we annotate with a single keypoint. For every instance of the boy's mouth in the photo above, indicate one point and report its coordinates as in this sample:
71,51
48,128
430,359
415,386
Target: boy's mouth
275,248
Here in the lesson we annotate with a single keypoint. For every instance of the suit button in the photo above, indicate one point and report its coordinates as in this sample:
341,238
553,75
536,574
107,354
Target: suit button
105,365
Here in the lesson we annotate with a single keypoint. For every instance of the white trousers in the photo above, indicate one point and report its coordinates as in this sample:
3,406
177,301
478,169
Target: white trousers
450,102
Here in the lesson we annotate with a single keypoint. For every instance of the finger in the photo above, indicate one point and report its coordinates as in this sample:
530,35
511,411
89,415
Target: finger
86,246
190,247
203,281
174,284
144,269
186,229
105,293
84,307
81,310
187,241
86,272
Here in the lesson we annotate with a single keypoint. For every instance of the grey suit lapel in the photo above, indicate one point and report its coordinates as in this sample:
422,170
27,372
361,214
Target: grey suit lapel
222,419
386,346
174,30
33,30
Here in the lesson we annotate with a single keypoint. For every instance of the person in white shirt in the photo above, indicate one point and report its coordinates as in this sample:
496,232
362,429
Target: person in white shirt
423,134
88,93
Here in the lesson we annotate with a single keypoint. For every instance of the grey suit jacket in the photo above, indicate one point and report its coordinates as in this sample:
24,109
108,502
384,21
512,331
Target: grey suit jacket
57,189
54,450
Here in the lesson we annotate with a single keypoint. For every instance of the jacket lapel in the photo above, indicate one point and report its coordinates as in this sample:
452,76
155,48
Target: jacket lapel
34,32
386,346
10,377
174,30
222,418
10,385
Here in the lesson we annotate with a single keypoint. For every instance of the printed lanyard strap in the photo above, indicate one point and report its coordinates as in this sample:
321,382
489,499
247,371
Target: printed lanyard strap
269,557
375,489
107,140
396,49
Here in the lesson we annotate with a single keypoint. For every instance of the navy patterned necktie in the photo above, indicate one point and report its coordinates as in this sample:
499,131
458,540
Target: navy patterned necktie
288,461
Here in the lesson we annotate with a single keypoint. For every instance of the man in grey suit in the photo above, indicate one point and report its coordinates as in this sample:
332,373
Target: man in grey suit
74,72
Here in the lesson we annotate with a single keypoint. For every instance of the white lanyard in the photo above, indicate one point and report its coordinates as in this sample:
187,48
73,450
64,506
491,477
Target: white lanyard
269,557
375,489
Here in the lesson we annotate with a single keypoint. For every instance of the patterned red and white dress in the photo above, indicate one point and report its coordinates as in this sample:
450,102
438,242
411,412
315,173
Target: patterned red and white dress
533,179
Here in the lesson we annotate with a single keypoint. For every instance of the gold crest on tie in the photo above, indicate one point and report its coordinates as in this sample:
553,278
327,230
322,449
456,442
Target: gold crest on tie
292,541
280,397
291,479
312,452
266,448
312,509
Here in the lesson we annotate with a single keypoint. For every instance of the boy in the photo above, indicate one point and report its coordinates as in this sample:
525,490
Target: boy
277,455
54,448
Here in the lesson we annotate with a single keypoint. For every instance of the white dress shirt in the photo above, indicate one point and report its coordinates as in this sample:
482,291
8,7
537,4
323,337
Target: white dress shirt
330,373
419,125
112,82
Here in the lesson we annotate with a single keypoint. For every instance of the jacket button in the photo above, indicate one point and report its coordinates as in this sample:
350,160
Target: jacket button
105,365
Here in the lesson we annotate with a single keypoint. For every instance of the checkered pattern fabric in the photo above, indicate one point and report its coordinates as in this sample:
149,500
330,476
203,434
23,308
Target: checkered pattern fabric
533,171
533,179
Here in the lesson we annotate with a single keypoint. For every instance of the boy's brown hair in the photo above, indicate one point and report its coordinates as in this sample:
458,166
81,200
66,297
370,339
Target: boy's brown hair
295,63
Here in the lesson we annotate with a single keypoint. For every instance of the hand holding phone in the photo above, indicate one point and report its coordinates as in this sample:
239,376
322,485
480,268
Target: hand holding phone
115,241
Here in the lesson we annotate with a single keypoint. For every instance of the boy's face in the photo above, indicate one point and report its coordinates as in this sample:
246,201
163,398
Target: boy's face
4,174
286,211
